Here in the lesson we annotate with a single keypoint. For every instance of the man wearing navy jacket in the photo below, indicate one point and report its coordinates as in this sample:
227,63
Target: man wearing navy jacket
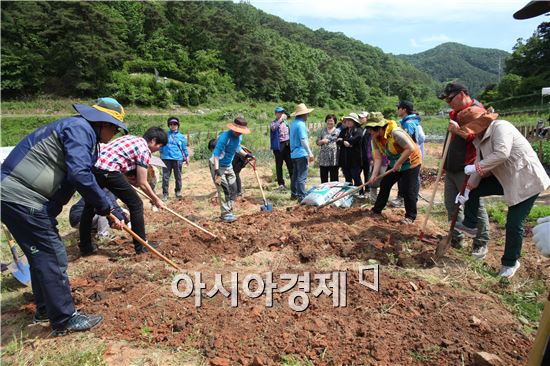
39,176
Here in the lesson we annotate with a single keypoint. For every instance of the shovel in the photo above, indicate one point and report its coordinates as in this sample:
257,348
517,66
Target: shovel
20,267
267,207
355,190
444,243
431,202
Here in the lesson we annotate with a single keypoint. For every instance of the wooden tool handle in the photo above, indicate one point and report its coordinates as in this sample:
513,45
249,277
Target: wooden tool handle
145,244
439,173
181,217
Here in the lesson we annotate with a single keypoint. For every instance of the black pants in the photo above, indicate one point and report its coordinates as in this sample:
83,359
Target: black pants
326,170
353,175
410,186
283,155
171,165
121,188
238,164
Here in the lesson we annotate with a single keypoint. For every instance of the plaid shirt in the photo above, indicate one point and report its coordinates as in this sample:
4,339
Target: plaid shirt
124,154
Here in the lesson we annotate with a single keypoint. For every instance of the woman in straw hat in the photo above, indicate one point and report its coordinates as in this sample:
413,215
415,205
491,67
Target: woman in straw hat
300,152
404,163
221,168
507,165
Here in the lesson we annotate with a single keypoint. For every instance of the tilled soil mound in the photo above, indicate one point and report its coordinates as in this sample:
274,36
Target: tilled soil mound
405,322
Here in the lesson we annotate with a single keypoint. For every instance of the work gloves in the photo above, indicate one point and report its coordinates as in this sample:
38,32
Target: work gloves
217,177
541,235
469,169
461,198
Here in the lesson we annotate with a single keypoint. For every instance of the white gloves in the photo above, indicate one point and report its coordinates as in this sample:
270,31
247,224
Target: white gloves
541,235
462,198
469,169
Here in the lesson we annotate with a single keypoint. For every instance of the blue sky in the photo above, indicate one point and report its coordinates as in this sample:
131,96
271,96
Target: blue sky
411,26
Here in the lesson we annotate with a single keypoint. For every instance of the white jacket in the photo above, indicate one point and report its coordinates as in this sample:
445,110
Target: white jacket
511,159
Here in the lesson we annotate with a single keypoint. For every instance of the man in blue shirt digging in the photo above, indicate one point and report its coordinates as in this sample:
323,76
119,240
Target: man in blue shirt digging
227,145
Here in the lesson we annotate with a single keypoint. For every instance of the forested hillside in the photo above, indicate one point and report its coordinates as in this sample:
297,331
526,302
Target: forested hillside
162,53
475,67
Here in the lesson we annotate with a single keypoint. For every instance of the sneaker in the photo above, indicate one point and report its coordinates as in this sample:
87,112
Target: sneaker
78,323
179,196
372,196
293,197
142,249
40,318
468,231
508,272
407,221
88,250
480,252
229,218
165,197
397,202
360,196
104,239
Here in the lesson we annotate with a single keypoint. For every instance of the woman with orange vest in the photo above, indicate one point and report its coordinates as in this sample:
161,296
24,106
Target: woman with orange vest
404,163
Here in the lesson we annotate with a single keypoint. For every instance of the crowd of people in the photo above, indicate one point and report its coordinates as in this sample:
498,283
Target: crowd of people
487,156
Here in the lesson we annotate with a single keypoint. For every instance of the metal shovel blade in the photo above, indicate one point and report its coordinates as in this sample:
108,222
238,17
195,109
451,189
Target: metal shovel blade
21,271
267,207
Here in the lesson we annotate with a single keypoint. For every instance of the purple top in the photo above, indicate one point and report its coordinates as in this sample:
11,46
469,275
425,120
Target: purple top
284,134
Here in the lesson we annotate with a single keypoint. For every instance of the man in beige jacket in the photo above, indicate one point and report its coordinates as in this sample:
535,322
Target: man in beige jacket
507,165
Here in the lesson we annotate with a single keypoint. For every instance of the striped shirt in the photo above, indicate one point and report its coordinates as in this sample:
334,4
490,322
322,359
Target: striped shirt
124,154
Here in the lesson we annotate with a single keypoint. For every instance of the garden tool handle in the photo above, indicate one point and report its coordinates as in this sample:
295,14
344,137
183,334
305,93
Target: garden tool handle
439,174
537,352
145,244
181,217
356,189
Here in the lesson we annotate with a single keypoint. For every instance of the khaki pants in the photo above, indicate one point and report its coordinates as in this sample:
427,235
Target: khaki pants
227,190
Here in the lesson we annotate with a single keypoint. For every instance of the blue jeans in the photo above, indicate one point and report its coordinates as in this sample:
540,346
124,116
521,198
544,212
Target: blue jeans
298,178
176,166
36,233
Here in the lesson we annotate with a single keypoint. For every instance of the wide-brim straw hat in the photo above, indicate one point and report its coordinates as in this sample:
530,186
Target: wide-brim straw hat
475,119
301,109
376,119
353,116
239,125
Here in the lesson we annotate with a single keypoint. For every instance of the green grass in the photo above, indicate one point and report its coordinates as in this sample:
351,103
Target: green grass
497,212
67,353
295,360
426,355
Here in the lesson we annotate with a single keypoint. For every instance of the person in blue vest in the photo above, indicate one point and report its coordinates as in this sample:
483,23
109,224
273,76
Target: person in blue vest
227,145
41,175
280,144
174,154
300,152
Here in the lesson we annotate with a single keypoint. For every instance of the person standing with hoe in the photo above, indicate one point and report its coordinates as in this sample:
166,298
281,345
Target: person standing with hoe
174,154
227,145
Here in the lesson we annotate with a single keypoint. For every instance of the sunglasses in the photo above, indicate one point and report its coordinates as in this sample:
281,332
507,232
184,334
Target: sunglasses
450,98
